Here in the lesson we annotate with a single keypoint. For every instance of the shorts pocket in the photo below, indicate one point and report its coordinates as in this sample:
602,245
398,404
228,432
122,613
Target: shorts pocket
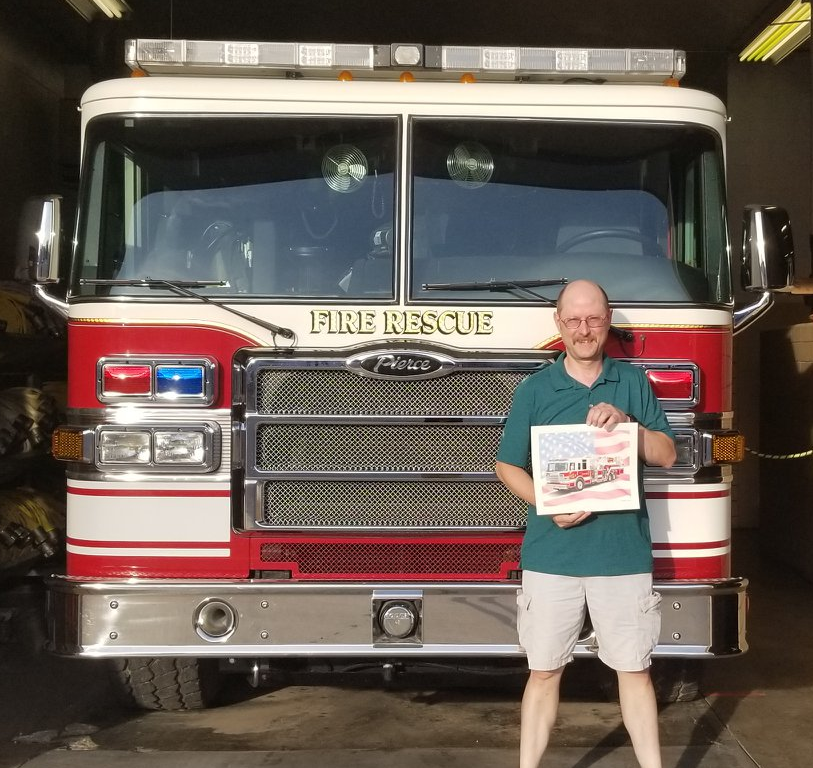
651,616
523,608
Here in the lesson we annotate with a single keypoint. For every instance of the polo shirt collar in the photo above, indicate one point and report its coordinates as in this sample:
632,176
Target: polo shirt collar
560,379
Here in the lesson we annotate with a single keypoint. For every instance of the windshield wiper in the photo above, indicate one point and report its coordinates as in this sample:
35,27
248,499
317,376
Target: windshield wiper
522,287
183,288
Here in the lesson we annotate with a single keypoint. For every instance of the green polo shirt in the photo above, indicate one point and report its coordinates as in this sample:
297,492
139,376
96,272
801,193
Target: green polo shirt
608,543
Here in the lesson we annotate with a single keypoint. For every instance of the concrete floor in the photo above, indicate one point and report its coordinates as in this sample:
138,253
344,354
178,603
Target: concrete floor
756,710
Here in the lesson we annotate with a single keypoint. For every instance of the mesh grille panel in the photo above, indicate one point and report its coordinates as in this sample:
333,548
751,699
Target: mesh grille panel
377,448
297,504
396,560
336,392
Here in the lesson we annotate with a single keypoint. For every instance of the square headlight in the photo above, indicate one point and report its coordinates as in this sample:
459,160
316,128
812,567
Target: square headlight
686,449
124,447
180,447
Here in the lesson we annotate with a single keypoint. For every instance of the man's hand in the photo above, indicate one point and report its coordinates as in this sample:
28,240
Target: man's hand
571,520
605,415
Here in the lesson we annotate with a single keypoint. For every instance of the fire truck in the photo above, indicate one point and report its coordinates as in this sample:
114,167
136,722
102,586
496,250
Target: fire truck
574,473
305,280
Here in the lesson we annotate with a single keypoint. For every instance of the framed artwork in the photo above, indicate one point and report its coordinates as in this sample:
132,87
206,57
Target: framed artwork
578,468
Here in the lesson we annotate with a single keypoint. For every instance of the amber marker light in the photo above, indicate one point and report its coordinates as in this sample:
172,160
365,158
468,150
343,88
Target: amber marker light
138,73
407,77
67,444
727,448
468,77
672,82
345,76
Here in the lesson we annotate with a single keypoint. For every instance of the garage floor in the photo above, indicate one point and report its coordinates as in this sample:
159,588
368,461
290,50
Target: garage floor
756,711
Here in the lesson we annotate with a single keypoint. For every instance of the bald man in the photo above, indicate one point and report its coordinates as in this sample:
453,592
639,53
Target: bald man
596,561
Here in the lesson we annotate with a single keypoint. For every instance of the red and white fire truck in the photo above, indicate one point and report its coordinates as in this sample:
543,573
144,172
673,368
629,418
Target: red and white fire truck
305,282
575,472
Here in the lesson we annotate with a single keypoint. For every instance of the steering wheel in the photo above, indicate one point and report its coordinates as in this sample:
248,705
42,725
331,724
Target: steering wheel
649,243
213,234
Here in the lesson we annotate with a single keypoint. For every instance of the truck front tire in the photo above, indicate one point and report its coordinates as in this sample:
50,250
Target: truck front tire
167,683
674,680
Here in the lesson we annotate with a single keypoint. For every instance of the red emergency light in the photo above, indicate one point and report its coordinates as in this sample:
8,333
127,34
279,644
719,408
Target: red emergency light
673,383
132,380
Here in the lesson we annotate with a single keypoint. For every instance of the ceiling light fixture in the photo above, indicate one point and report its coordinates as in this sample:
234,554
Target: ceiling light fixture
89,9
782,36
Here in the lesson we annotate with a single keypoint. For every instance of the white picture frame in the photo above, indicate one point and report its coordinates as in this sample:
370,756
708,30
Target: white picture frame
579,468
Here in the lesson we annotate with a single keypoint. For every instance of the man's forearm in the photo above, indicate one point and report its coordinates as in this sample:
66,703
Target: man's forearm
517,480
656,448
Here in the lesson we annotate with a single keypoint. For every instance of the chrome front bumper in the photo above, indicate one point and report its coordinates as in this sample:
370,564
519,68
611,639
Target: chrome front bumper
283,619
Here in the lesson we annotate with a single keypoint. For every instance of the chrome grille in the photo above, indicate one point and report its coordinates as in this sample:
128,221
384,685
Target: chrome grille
329,449
391,504
292,447
336,392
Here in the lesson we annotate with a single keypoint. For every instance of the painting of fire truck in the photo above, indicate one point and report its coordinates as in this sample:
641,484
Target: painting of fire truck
579,468
574,473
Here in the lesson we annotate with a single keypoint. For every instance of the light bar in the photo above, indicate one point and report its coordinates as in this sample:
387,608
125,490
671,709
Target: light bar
156,56
663,63
782,36
163,56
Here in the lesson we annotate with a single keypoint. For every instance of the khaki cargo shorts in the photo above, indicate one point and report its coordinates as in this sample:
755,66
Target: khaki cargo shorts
624,611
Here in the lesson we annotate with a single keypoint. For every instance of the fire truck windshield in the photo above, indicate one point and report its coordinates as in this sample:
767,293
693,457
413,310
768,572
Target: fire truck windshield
275,207
636,207
306,208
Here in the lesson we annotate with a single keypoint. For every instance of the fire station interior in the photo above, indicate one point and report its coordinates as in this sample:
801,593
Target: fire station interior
52,50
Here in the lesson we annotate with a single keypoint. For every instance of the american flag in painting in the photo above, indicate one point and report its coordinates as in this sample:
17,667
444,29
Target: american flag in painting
565,445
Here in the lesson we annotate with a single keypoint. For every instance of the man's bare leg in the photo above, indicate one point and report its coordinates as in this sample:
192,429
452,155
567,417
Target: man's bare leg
639,710
540,703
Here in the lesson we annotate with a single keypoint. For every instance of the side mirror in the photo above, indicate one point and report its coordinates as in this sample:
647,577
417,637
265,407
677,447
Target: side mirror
38,240
767,249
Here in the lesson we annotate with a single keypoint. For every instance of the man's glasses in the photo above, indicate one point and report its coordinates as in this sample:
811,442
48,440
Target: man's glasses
594,321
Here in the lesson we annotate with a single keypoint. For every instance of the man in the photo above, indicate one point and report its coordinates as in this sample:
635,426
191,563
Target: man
602,561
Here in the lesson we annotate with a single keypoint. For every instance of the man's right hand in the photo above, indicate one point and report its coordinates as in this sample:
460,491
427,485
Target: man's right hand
571,520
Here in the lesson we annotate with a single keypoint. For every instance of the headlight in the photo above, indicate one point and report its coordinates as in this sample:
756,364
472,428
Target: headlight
180,447
686,449
124,447
195,449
